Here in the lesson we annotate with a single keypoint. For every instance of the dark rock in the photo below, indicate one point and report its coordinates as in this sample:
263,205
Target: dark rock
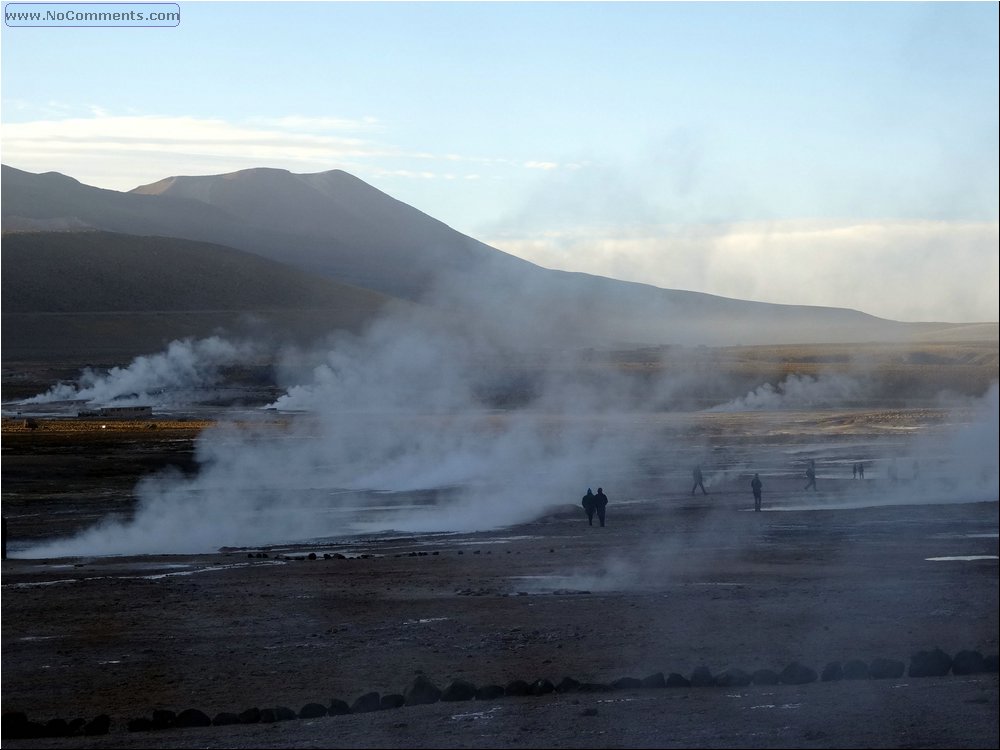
627,683
338,708
567,685
489,692
312,711
765,677
283,713
934,663
225,718
192,717
367,702
312,555
163,718
677,680
16,726
594,687
797,674
855,669
832,672
140,724
656,680
991,663
98,725
392,700
250,716
542,687
76,727
56,728
421,691
968,662
268,716
733,678
702,677
459,690
881,669
517,687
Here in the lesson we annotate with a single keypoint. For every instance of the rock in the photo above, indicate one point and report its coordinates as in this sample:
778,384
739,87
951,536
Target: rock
968,662
392,700
627,683
312,711
733,678
934,663
192,717
459,690
797,674
991,663
881,669
367,702
567,685
594,687
677,680
855,669
338,708
656,680
421,691
702,677
250,716
163,718
56,728
140,724
517,687
283,713
267,716
225,719
542,687
832,672
489,692
98,725
16,726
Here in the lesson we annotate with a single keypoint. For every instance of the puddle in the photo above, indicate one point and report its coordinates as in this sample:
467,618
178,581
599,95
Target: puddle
425,620
477,715
963,557
774,705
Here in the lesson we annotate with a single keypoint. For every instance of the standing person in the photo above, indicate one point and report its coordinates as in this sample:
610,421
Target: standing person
601,504
861,469
755,485
589,503
811,474
854,470
698,481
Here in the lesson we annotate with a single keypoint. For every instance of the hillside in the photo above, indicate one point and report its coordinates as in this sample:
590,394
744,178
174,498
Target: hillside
102,292
333,227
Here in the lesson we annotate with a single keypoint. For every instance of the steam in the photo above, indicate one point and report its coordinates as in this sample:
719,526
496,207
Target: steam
185,366
799,392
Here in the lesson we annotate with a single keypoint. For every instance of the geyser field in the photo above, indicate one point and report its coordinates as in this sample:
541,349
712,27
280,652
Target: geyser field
164,562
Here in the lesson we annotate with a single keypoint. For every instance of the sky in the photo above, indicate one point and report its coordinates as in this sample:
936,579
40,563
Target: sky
841,154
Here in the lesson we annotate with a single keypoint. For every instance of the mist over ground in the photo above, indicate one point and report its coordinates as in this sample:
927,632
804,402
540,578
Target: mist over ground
436,422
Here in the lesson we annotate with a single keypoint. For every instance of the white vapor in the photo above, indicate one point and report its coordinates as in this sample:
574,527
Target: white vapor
156,378
799,392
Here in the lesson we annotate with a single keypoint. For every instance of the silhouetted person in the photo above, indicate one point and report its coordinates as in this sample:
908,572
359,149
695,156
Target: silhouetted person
602,504
861,469
589,503
811,474
854,470
699,481
756,485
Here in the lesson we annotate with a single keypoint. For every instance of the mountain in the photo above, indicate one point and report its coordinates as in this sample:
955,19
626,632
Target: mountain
333,226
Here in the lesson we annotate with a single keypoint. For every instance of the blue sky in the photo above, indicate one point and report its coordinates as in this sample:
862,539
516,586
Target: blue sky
838,154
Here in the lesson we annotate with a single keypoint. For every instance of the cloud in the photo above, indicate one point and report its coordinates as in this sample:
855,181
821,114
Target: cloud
902,270
122,151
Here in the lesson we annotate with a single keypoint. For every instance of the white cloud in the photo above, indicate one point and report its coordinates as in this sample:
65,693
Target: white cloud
902,270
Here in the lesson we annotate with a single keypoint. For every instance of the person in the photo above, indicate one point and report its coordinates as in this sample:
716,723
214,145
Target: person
861,469
755,485
854,470
601,504
590,505
698,481
811,474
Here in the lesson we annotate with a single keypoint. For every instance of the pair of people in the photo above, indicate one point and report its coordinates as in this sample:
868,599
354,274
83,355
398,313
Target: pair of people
595,504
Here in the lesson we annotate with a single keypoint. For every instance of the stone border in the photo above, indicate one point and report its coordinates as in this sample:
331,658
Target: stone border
935,663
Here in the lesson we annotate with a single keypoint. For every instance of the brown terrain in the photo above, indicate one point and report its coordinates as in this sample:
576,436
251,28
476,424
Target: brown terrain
860,570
